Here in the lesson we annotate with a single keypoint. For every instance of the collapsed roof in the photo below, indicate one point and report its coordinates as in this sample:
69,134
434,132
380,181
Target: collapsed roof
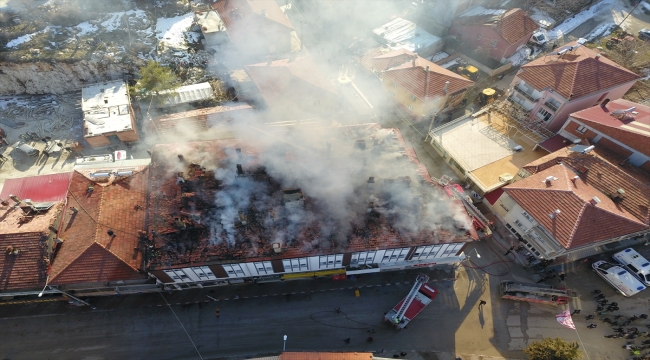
355,188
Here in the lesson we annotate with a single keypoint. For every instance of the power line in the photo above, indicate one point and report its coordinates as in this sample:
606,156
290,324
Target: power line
179,321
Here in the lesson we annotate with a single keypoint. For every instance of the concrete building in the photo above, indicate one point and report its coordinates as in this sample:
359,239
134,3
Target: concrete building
574,77
621,126
498,32
212,28
418,85
400,33
576,202
291,233
487,149
108,115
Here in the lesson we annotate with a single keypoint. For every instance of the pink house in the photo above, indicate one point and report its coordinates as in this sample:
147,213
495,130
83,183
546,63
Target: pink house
570,79
500,31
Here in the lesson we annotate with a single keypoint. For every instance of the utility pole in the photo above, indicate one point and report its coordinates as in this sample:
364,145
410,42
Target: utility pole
630,13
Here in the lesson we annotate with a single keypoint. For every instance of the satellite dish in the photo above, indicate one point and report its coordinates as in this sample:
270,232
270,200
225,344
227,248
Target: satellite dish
630,109
618,112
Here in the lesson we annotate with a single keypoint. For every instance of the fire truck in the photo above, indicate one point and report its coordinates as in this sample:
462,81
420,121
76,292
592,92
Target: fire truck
417,299
537,293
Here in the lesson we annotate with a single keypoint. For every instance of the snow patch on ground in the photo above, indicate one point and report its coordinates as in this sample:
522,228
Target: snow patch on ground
602,30
171,31
541,17
85,28
115,20
26,38
439,56
578,19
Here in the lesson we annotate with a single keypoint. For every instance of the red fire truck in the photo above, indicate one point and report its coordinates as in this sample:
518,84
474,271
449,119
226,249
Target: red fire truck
537,293
417,299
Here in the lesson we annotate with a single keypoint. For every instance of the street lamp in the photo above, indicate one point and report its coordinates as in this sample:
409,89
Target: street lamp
477,254
45,287
284,344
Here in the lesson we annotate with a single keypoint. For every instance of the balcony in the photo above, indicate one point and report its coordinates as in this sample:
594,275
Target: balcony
525,94
550,106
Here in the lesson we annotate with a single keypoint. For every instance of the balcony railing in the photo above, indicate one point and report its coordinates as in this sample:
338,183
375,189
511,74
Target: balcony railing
525,94
550,106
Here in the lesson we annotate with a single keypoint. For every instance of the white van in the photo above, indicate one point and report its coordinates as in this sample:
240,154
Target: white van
634,263
618,277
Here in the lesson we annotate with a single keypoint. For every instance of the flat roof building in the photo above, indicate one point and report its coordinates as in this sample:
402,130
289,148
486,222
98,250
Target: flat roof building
108,115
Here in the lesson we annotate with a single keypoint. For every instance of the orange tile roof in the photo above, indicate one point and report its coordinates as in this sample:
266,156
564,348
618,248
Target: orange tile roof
200,120
579,222
28,268
516,25
85,232
578,73
290,80
244,18
409,71
326,356
631,129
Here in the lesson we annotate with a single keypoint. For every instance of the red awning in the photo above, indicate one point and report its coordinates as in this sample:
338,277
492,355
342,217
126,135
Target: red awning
494,195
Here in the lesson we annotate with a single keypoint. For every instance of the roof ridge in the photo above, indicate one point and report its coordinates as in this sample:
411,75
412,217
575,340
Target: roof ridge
577,223
73,260
118,257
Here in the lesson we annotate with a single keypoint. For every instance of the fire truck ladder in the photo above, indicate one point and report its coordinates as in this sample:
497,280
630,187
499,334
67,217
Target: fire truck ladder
419,281
473,209
514,287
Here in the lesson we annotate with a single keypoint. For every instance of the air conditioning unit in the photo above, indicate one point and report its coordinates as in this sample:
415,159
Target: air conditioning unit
505,177
517,148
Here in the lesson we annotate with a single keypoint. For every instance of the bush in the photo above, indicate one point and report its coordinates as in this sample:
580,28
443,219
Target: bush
552,349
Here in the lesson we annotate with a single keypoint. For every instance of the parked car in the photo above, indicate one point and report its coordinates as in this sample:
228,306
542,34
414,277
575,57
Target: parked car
644,34
26,148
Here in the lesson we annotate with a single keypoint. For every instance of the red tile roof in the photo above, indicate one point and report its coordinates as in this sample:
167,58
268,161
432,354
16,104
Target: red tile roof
325,356
579,222
28,268
192,229
245,18
554,143
195,122
577,72
286,80
85,232
494,195
42,188
409,71
516,25
630,129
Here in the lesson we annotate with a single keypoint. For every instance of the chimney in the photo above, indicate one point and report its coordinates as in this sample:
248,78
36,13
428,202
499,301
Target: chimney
413,61
238,150
4,202
554,214
276,248
597,56
370,206
574,179
240,170
180,157
243,218
446,88
15,198
426,81
595,201
371,180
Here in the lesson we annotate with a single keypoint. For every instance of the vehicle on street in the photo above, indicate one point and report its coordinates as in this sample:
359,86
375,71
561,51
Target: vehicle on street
417,299
26,149
537,293
644,34
636,264
618,277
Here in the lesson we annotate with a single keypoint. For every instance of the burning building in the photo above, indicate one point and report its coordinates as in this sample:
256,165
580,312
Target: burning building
352,200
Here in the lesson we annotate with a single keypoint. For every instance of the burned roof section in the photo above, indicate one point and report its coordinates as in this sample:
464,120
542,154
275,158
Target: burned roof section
356,187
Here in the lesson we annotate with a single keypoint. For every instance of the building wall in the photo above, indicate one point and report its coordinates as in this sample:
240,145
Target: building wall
388,259
98,141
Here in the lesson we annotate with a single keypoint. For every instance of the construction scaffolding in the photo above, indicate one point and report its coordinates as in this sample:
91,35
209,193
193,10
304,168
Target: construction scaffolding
517,117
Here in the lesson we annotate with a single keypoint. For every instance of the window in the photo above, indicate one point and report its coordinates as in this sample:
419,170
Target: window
520,225
412,97
543,114
479,37
581,129
503,207
494,42
527,216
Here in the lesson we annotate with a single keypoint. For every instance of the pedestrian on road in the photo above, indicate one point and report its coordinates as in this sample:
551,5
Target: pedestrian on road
542,279
642,316
347,341
591,326
216,313
562,276
576,311
520,249
589,317
509,251
596,292
481,303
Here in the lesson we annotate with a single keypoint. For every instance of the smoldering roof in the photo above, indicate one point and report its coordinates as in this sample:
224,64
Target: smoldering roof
310,191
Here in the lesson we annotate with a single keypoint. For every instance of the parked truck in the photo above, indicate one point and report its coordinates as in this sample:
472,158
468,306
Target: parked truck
417,299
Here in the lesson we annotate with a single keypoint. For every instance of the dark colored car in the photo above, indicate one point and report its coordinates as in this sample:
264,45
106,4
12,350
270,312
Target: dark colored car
644,34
